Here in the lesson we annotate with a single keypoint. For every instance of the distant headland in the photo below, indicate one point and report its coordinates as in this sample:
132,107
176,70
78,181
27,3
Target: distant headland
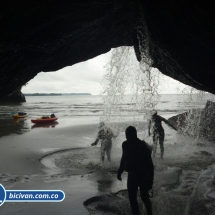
56,94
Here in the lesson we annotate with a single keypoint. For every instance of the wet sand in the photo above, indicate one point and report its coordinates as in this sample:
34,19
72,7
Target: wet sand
61,157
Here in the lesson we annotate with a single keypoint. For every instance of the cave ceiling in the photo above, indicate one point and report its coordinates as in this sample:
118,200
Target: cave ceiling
49,35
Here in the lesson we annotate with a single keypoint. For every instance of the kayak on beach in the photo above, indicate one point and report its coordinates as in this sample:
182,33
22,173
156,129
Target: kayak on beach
45,119
19,115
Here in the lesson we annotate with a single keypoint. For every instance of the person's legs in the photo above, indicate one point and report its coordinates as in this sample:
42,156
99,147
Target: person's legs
144,193
155,140
108,150
132,193
161,141
102,155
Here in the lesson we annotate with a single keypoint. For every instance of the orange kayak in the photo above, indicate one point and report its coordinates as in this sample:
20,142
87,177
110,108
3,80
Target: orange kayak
18,116
41,120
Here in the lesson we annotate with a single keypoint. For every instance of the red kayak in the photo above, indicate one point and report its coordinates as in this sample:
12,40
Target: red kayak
42,120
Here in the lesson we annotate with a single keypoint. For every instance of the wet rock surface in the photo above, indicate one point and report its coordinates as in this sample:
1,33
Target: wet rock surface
114,203
175,184
197,122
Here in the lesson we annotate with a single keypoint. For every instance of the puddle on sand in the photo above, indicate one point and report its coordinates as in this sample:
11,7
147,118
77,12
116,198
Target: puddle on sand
49,162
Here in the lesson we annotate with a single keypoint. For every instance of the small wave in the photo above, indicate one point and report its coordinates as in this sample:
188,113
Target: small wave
163,101
81,107
95,111
44,103
170,110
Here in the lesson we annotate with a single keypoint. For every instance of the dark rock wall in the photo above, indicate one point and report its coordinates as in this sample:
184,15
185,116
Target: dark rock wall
15,96
188,122
207,122
182,33
197,122
49,35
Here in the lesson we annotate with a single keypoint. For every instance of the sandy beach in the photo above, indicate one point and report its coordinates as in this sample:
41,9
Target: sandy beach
62,158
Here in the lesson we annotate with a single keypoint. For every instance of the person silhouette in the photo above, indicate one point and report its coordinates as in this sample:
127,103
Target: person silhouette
136,160
155,125
105,134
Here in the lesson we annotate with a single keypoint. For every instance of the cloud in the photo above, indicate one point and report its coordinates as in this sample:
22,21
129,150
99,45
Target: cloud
84,77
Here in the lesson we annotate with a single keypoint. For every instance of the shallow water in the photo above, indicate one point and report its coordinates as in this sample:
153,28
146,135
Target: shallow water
73,110
60,156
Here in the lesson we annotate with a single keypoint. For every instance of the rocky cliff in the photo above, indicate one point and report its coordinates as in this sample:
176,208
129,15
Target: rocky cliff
197,122
15,96
37,36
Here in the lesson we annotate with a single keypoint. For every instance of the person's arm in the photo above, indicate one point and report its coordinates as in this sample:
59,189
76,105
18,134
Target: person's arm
149,127
97,139
95,143
168,123
121,167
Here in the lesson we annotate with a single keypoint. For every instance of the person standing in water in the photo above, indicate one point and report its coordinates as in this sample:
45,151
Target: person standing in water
105,134
136,160
155,125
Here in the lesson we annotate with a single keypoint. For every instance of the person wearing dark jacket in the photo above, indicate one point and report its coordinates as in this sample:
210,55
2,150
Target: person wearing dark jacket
136,160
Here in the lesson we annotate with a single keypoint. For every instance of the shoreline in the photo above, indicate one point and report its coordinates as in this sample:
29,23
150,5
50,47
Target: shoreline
20,156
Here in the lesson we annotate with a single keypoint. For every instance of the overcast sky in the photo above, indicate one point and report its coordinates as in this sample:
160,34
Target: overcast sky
84,77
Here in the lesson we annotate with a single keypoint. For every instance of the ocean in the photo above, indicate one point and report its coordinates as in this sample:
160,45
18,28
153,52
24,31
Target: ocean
81,109
60,156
